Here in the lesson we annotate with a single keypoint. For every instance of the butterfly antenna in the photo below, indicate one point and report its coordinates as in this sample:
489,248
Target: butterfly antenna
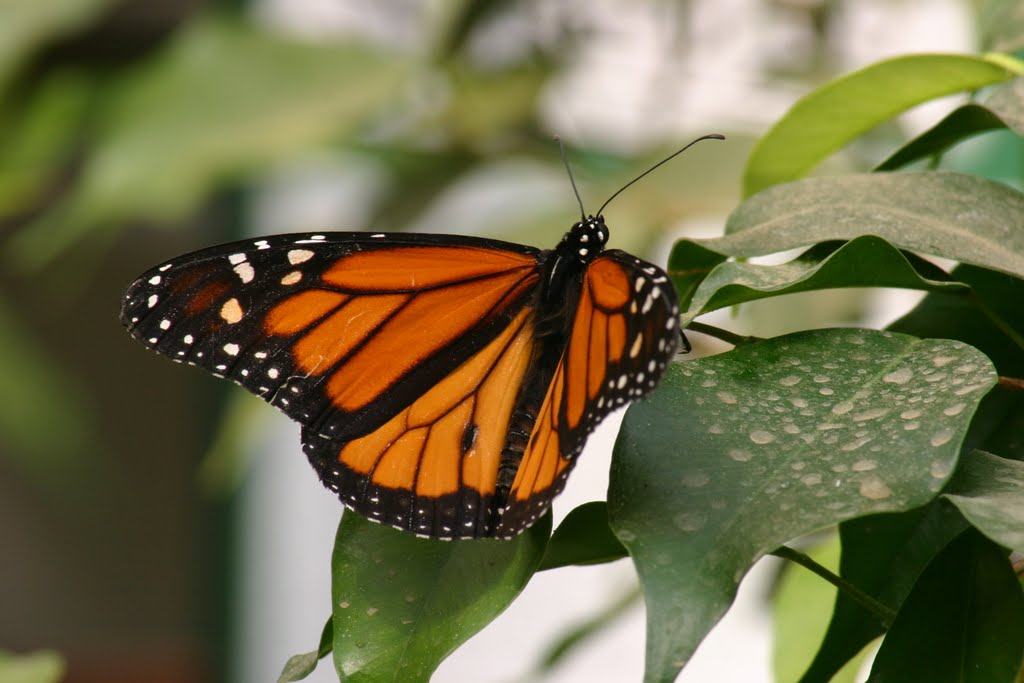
568,169
712,136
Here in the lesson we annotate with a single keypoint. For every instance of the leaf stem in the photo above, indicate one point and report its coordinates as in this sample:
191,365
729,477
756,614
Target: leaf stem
883,612
724,335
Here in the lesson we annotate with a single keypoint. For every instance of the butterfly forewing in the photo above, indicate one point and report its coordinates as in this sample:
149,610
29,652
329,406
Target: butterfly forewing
623,334
341,331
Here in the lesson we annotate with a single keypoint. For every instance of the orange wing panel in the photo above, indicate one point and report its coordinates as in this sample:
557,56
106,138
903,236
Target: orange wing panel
298,312
420,267
331,340
426,324
495,401
397,468
420,449
439,471
363,453
577,359
608,284
598,360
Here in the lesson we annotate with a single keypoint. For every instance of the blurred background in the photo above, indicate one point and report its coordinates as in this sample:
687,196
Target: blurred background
157,524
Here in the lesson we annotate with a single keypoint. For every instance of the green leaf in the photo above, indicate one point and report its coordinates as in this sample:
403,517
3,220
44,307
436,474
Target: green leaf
826,119
953,215
1004,108
960,124
993,327
42,666
989,491
402,604
689,265
583,537
220,100
883,555
866,261
738,453
300,666
963,622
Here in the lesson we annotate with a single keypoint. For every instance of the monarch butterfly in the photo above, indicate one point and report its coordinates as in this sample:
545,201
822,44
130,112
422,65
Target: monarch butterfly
445,385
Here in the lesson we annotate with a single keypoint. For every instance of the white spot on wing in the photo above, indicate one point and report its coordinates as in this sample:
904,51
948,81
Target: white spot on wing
231,312
245,272
297,256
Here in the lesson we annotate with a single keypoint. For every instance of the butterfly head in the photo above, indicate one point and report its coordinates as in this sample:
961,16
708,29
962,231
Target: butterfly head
586,239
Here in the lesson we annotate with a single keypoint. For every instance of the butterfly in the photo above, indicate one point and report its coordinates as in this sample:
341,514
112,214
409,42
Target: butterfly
445,384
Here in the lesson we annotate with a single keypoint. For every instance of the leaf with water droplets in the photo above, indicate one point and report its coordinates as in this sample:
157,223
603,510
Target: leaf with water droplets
738,453
402,604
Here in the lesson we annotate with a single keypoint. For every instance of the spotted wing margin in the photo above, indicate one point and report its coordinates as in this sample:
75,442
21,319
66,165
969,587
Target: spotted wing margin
624,333
341,331
433,468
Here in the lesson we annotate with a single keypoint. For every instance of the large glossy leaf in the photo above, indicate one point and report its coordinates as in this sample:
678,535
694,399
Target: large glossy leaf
866,261
989,491
826,119
1002,109
738,453
220,100
963,622
402,604
954,215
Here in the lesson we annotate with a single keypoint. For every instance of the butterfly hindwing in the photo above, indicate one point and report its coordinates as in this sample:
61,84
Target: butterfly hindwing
341,331
432,469
623,334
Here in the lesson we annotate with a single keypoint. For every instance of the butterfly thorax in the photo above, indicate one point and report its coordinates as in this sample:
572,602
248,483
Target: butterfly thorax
563,272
